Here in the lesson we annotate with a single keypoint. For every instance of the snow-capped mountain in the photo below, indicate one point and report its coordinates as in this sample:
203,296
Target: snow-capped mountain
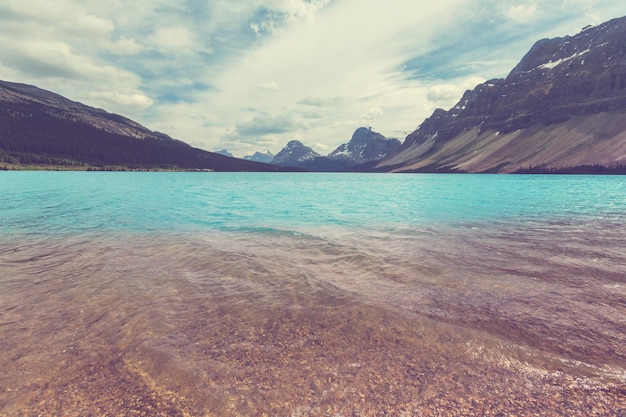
365,146
562,108
294,154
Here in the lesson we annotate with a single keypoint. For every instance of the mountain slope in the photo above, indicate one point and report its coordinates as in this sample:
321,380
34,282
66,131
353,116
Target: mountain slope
561,108
41,127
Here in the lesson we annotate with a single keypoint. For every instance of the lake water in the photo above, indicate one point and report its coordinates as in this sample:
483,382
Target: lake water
278,294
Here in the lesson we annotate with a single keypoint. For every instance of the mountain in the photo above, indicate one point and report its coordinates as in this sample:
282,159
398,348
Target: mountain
294,154
38,127
225,153
365,147
265,157
561,109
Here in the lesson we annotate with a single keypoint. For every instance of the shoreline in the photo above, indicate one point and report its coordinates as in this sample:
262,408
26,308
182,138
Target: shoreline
573,171
54,168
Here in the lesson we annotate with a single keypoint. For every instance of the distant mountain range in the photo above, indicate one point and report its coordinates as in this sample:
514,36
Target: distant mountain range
364,148
225,153
561,109
38,127
266,157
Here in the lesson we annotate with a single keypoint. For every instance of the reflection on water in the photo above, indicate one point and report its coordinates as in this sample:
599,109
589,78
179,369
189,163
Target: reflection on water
510,320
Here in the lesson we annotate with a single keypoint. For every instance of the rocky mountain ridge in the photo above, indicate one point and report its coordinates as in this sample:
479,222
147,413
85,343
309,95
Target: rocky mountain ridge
562,106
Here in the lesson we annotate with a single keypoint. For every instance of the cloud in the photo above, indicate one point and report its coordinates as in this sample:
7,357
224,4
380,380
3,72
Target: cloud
446,94
87,26
173,39
271,86
320,101
42,58
268,24
242,145
324,148
46,59
124,46
372,114
262,124
521,13
312,115
440,92
272,16
131,101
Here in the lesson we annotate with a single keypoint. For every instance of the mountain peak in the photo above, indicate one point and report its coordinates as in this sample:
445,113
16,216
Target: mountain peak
365,146
293,154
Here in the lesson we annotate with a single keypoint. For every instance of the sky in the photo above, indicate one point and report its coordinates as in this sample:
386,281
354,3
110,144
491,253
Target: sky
251,75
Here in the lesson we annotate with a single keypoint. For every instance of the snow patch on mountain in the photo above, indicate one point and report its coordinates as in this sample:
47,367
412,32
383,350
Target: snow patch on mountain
553,64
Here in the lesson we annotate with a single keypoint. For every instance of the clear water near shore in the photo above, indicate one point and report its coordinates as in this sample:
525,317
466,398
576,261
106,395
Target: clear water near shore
311,294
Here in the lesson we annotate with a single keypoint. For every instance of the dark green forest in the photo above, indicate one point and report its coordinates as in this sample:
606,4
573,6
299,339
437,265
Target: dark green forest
591,169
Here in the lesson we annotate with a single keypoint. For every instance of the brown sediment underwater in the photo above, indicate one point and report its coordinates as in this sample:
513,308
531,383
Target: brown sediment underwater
467,322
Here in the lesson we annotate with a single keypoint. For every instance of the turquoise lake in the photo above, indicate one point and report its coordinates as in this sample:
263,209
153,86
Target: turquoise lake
79,202
297,294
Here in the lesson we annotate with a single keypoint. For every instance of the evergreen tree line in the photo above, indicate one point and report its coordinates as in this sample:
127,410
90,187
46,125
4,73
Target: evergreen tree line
587,169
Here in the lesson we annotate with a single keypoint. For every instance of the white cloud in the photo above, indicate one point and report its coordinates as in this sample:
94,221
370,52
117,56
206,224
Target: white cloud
264,124
124,46
321,147
279,13
320,101
521,13
86,26
271,86
372,114
132,101
445,95
173,39
443,92
42,58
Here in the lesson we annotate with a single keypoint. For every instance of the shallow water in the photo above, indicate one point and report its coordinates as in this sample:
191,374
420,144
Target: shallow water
279,294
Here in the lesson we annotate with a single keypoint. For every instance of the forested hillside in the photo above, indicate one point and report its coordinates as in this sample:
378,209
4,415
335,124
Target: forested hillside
38,127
